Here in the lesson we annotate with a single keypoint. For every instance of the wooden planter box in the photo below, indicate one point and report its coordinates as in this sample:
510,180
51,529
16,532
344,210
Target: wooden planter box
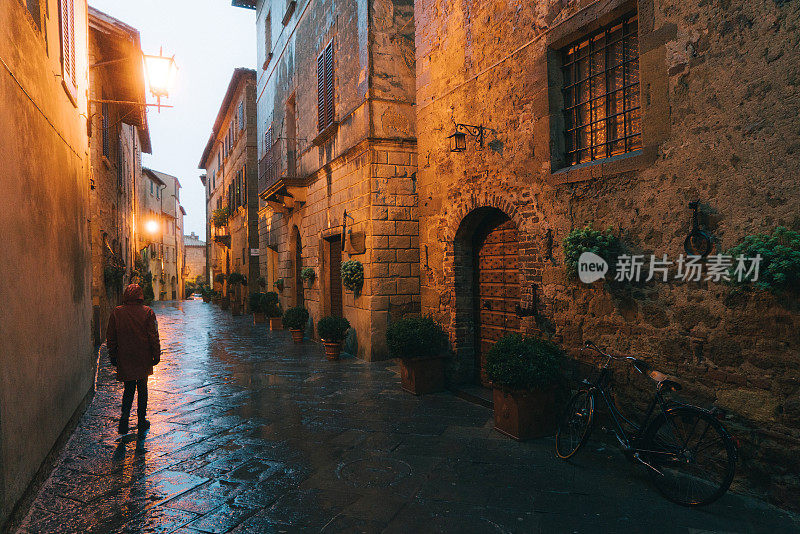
332,349
275,323
225,303
297,335
422,375
259,318
523,414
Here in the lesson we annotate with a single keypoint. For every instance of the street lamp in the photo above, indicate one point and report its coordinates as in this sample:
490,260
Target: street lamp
160,71
152,227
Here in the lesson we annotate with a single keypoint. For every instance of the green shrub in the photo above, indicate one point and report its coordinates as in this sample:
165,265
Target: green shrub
220,216
255,300
518,362
779,269
113,275
220,278
235,279
352,275
605,244
333,328
416,337
270,304
308,274
295,318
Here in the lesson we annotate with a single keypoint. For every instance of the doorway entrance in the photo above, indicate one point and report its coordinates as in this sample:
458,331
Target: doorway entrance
335,275
496,290
299,292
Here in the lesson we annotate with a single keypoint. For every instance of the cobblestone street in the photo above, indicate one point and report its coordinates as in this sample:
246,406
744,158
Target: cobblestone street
252,434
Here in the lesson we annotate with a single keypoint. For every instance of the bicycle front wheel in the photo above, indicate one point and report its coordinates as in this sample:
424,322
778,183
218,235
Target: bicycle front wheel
575,425
692,456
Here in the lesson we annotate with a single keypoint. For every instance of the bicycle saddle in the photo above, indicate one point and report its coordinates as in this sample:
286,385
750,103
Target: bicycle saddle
664,382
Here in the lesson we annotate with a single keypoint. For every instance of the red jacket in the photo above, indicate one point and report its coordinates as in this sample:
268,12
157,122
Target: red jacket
132,336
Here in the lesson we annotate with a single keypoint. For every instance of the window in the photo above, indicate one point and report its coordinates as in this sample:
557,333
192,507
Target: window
151,188
325,88
66,13
241,115
267,40
104,126
33,9
601,93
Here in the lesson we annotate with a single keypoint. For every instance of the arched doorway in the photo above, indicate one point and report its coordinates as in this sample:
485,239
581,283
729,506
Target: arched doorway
496,286
297,244
487,288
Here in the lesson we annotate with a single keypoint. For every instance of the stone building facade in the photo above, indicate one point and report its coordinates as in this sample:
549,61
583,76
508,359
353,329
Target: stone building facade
697,101
230,164
194,254
47,363
119,136
161,244
337,158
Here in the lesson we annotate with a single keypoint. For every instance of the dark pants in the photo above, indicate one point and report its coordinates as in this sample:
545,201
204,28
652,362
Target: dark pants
139,386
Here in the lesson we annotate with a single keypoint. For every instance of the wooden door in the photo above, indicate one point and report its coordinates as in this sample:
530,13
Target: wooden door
299,290
497,290
335,275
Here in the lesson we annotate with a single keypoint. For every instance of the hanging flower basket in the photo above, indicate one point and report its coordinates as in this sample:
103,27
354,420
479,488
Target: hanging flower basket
353,275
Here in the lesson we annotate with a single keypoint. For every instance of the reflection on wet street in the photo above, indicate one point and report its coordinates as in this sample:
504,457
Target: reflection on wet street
251,433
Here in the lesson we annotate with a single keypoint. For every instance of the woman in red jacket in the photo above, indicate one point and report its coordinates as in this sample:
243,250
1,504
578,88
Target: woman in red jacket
134,348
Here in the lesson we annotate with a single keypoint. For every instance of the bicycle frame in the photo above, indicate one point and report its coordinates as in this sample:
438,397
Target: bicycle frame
629,443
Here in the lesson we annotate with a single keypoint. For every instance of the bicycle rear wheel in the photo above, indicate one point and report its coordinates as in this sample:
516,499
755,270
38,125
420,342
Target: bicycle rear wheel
575,425
692,455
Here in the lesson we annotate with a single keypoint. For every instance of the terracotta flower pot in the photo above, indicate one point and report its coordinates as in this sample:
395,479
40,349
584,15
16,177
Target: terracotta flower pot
225,303
297,335
236,308
332,349
259,318
422,375
206,299
523,414
275,323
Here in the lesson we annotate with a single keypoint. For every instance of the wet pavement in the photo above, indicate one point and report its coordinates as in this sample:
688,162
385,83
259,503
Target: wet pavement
253,434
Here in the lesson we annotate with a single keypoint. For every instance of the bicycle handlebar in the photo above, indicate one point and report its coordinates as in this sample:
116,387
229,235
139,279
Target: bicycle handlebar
639,365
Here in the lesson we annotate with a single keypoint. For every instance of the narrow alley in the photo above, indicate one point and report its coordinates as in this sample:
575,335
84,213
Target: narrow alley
252,434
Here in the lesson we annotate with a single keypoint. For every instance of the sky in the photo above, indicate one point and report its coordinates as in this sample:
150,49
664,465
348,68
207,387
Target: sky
209,39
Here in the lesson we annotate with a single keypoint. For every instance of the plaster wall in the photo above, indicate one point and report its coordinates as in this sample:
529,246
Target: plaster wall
47,364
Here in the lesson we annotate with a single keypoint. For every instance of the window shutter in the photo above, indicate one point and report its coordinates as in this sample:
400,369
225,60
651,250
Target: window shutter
104,126
241,115
321,115
67,14
329,84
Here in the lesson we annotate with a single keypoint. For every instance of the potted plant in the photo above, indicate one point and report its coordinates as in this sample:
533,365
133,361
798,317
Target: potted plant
271,307
525,373
420,345
278,284
307,275
295,320
333,330
352,275
255,307
262,281
236,281
222,298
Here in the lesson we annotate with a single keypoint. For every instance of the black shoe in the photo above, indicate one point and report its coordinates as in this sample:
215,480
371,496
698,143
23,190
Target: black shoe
123,426
143,425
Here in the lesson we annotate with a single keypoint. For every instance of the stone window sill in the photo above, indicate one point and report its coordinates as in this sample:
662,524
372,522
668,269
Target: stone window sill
325,134
603,168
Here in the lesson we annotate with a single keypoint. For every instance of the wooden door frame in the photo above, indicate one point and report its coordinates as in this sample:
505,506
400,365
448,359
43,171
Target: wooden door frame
325,243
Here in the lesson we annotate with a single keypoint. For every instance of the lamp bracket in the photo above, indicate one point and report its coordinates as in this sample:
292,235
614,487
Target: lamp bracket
473,130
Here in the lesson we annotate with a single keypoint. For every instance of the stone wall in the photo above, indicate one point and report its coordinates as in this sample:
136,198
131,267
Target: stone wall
719,94
364,165
47,364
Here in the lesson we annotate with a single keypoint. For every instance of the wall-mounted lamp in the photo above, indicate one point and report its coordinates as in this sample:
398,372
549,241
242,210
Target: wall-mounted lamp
458,140
160,72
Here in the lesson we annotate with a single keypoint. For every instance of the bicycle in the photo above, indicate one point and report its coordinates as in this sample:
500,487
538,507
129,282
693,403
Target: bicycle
690,456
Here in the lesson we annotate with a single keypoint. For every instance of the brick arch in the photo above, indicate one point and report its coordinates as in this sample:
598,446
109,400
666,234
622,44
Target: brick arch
457,232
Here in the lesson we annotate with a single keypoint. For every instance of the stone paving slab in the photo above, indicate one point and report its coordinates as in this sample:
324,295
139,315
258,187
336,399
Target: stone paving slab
253,434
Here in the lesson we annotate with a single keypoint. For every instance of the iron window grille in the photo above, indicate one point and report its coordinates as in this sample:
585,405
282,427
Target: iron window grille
601,93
